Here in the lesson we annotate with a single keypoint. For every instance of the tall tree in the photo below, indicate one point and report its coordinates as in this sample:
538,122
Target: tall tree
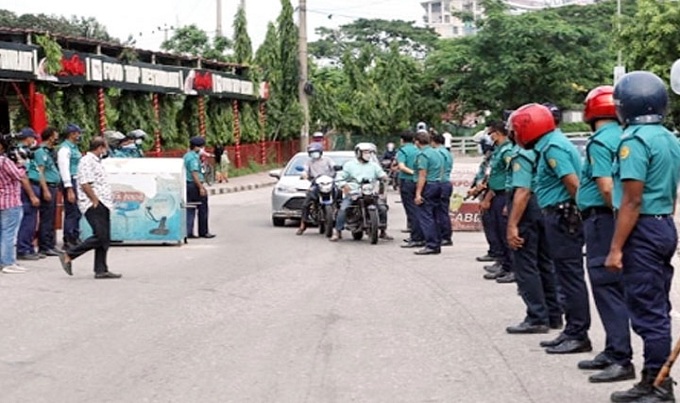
75,26
243,47
192,40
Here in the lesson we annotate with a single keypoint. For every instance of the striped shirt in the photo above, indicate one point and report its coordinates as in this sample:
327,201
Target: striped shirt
10,183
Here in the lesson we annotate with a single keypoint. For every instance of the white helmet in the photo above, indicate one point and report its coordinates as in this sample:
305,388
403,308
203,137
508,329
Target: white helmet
362,148
113,137
421,126
317,135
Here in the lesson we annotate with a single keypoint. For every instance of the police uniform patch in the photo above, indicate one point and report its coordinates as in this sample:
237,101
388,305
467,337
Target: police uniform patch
624,152
516,167
552,163
507,160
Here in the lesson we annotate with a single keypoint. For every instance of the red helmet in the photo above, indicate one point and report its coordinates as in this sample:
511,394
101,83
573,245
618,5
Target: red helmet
600,104
531,122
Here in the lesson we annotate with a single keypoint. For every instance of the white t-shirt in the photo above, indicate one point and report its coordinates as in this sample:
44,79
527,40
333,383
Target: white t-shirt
447,139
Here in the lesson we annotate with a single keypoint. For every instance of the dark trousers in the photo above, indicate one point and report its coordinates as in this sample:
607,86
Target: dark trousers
566,251
99,219
500,228
194,196
608,289
46,234
534,270
407,190
443,217
426,215
29,223
71,216
488,225
647,276
312,194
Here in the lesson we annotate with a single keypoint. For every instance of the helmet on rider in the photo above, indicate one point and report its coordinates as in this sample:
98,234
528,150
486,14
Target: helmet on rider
364,151
138,135
599,104
421,126
114,138
531,122
315,150
390,146
640,98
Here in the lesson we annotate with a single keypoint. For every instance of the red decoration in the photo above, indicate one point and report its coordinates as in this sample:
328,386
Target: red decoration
73,66
201,116
237,134
101,107
263,122
203,82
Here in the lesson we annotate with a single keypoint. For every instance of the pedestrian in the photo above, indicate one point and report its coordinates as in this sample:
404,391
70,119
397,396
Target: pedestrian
222,162
25,251
95,201
557,180
406,160
68,158
442,213
528,248
45,174
430,168
12,181
316,166
448,138
646,174
594,199
494,203
196,192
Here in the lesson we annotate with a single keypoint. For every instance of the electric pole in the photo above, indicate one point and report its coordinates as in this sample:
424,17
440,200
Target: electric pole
302,44
218,28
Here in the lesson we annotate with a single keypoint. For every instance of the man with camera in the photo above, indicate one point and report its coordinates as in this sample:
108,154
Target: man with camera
12,180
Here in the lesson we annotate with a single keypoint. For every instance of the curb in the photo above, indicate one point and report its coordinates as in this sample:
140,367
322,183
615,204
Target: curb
238,188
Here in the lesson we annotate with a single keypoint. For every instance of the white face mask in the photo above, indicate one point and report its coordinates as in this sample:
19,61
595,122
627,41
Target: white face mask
315,155
139,142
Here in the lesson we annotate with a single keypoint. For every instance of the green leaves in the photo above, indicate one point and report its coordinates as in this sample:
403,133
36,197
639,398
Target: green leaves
243,48
193,41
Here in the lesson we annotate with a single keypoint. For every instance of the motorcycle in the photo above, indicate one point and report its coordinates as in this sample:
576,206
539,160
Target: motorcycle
323,210
362,214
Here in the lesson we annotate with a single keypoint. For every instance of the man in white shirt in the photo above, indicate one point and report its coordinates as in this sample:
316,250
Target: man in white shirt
95,201
447,140
68,158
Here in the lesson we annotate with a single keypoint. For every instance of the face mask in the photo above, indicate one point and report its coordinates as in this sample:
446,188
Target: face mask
139,142
315,155
130,146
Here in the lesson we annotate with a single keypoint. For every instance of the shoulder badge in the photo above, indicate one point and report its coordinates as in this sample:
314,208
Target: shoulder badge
624,152
516,167
552,162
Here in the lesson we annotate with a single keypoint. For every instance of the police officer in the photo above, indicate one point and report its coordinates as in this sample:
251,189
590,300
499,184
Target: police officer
594,199
495,201
557,180
196,192
406,160
646,174
47,176
430,168
527,241
443,217
25,251
68,159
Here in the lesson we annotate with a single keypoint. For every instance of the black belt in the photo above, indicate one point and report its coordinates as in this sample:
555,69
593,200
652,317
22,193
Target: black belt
498,192
556,208
657,216
590,211
52,185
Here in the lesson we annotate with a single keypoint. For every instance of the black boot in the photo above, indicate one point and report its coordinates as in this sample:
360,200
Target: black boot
644,391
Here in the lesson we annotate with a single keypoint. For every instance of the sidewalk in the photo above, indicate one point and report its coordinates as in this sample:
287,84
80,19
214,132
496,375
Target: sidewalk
242,183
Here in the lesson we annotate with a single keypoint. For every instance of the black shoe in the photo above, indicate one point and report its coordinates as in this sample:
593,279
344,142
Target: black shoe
494,268
554,342
486,258
556,323
428,251
614,373
66,266
644,391
495,275
447,242
405,231
107,274
192,236
414,245
600,362
571,346
28,256
208,236
527,328
507,278
50,252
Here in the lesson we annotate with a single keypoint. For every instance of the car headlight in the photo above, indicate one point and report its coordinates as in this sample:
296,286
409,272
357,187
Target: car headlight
367,189
286,189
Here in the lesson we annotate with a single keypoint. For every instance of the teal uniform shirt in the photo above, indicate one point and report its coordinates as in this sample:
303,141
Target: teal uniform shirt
355,172
118,153
523,169
600,154
557,158
499,165
432,162
514,152
192,163
649,154
74,158
447,161
407,155
44,158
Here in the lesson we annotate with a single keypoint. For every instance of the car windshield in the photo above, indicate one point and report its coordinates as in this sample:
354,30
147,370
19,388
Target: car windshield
301,160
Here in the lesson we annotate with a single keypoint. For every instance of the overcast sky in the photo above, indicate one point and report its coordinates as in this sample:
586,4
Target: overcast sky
142,18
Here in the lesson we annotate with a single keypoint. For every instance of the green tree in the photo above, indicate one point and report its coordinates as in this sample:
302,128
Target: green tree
243,47
192,40
83,27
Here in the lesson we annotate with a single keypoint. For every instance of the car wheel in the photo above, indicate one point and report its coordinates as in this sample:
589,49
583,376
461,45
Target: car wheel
278,222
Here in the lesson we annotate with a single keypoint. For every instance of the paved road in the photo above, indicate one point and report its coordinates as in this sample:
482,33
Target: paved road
260,315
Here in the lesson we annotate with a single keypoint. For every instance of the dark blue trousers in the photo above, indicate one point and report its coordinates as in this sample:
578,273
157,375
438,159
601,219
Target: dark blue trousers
500,228
29,223
607,287
488,225
443,216
427,215
194,196
566,251
407,190
534,270
46,233
647,275
71,216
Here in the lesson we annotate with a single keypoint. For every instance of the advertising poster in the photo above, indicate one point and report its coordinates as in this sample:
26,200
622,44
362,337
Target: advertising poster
149,200
465,215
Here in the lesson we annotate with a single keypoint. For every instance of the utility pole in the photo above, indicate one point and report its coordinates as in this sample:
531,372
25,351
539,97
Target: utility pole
218,28
304,102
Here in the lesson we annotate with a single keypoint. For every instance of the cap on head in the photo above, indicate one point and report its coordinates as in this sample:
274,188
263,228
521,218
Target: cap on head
27,132
72,128
197,141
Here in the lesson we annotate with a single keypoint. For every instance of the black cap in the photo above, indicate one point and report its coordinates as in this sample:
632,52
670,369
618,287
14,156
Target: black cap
197,141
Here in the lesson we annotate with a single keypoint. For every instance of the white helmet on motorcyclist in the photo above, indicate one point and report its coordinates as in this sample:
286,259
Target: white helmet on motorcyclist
364,151
113,138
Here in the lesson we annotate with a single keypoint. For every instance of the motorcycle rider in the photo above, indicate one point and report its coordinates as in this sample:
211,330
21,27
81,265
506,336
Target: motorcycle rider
316,166
354,172
390,152
114,138
131,145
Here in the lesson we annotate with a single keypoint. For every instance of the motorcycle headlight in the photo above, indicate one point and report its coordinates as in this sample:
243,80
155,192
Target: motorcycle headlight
286,189
367,189
325,187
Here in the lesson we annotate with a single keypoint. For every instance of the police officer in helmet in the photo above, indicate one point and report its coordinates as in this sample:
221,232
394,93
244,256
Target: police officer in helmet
646,173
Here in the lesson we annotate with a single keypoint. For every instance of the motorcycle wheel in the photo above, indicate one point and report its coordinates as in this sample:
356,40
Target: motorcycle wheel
357,235
373,226
328,224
